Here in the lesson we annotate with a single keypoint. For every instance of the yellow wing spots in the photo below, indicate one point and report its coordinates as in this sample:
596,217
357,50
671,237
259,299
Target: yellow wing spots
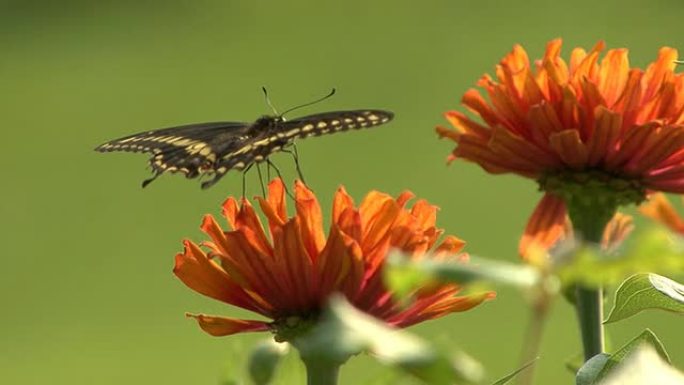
222,170
325,131
360,119
310,127
385,120
183,142
335,122
348,120
197,147
133,139
364,124
172,169
293,132
239,165
275,148
159,163
321,125
260,143
259,158
373,118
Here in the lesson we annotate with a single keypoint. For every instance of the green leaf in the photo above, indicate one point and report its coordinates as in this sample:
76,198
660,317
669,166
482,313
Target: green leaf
591,370
646,291
264,360
345,331
655,249
645,338
404,276
505,379
643,365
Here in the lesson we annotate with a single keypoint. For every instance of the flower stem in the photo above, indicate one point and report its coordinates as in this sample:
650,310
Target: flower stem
533,337
321,371
589,219
589,306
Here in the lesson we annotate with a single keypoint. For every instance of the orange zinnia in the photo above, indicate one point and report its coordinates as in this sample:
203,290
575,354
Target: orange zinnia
289,276
587,122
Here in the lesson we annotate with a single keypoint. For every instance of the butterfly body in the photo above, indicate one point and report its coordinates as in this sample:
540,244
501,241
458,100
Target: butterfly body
218,147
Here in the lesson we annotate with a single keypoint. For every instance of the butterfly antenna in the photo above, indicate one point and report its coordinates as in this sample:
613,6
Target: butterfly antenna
268,101
310,103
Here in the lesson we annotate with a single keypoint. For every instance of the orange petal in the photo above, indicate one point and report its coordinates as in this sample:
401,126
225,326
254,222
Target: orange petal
294,264
613,75
222,326
449,246
659,208
341,202
616,231
206,277
463,124
311,219
603,141
519,152
570,148
274,205
247,221
440,308
230,211
656,71
378,213
476,103
340,263
545,227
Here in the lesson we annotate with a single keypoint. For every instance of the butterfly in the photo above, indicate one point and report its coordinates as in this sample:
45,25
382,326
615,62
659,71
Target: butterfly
213,149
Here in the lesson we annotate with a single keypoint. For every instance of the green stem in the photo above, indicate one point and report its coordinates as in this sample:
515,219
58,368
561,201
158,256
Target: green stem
589,222
589,306
321,371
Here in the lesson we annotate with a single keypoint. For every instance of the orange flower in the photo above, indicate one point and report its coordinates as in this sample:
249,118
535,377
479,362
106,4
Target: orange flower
591,119
661,210
289,276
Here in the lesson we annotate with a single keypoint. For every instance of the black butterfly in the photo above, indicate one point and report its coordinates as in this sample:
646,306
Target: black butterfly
218,147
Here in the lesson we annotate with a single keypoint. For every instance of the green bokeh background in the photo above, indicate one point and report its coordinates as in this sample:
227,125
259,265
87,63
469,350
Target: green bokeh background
87,295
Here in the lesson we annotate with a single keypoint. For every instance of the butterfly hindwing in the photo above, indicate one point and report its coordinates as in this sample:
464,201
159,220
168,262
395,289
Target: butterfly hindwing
191,149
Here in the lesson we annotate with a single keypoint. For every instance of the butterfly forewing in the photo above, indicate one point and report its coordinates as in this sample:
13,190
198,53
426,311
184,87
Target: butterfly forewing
337,121
216,148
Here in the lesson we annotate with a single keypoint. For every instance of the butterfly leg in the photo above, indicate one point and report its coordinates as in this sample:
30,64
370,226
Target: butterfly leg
261,180
244,174
150,180
295,156
277,170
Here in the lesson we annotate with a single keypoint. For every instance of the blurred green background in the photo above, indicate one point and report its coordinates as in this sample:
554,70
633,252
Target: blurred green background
87,295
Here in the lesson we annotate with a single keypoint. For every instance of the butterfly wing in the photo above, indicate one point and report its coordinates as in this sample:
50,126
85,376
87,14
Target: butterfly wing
191,149
335,121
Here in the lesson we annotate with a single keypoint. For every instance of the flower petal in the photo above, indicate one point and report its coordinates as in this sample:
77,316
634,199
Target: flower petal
311,219
206,277
546,225
661,210
223,326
